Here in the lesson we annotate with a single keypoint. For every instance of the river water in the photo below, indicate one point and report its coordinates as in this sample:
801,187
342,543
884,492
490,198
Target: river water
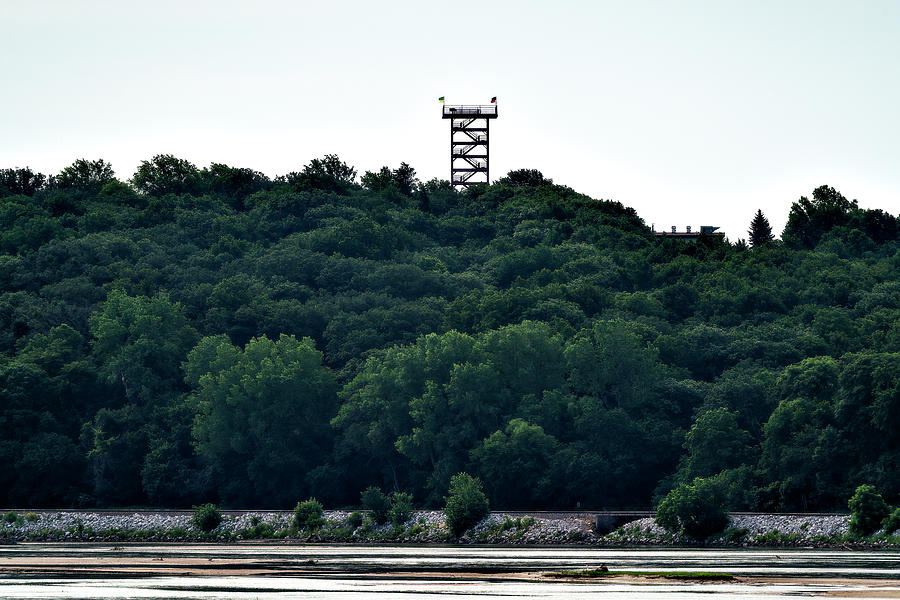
378,572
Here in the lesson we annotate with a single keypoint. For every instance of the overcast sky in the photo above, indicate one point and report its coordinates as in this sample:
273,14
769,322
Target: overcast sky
694,113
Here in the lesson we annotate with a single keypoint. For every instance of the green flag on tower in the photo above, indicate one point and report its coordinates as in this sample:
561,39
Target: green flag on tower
441,99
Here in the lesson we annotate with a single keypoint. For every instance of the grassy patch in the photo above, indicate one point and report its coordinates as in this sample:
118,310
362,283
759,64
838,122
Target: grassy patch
518,524
677,575
258,531
734,535
634,534
338,534
776,538
516,528
626,532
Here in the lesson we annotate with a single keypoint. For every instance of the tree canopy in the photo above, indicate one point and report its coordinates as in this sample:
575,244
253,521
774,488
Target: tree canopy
197,334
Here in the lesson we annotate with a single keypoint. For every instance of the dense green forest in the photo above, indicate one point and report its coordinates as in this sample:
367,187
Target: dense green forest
192,335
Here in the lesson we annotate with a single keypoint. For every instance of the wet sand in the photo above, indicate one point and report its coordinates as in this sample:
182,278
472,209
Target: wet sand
119,569
182,566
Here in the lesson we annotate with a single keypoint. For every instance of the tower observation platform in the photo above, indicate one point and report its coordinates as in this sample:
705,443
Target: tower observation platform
469,147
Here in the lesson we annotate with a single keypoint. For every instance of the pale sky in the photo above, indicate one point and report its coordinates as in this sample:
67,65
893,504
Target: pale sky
694,113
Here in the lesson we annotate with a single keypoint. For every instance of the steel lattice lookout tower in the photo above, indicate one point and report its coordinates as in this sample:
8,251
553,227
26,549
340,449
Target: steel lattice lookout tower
469,142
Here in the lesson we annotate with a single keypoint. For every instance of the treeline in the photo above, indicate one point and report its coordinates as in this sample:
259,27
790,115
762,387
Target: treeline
194,335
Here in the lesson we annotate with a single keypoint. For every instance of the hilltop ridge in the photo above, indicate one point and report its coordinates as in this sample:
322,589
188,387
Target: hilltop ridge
214,334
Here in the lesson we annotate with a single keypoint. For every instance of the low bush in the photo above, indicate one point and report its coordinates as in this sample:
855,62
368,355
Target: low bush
354,520
339,534
735,535
308,514
891,523
32,517
258,531
466,503
377,503
176,533
11,516
367,525
776,538
401,508
206,517
867,510
696,510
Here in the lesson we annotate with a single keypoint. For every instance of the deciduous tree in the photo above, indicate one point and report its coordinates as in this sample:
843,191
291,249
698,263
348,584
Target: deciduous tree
262,415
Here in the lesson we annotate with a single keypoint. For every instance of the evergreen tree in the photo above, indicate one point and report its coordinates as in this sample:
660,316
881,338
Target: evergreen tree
760,231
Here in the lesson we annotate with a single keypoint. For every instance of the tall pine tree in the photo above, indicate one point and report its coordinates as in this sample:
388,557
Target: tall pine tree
760,231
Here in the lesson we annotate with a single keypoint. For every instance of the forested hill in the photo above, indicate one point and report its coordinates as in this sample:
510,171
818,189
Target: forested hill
193,335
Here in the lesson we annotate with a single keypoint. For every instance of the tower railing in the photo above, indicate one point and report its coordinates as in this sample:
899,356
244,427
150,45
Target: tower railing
459,110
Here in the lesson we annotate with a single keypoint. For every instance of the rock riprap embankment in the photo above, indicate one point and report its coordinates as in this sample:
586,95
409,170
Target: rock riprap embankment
746,530
422,527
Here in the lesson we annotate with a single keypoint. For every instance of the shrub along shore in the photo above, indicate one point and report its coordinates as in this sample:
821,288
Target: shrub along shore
429,526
